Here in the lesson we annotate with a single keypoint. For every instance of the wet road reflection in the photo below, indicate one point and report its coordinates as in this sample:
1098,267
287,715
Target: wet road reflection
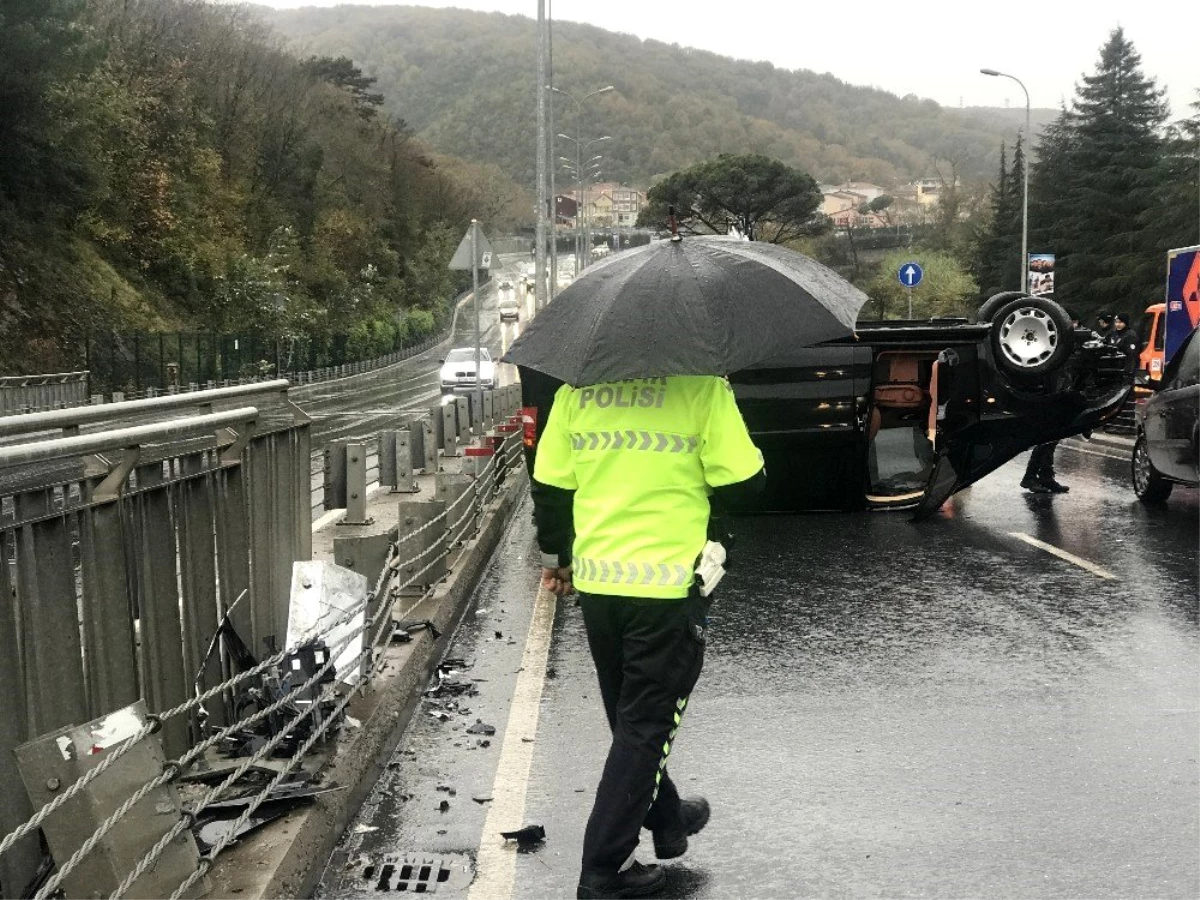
935,710
887,709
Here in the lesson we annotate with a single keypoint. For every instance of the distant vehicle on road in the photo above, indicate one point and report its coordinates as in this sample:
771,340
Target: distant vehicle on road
509,304
458,370
1167,448
906,413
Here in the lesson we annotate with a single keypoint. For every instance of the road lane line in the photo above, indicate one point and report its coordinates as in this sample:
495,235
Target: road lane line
496,863
1063,554
1095,453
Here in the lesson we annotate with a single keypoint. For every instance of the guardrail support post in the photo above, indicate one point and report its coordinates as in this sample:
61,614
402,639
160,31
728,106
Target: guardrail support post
335,476
424,551
396,461
424,451
489,402
461,519
463,405
450,429
356,486
366,555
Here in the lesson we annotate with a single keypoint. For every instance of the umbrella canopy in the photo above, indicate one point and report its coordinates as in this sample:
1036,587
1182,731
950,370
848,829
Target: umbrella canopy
698,306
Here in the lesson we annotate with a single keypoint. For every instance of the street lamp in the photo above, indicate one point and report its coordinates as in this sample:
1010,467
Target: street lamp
1025,188
578,127
580,170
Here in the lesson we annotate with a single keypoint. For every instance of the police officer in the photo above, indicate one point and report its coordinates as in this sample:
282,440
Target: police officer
1104,326
1123,338
627,475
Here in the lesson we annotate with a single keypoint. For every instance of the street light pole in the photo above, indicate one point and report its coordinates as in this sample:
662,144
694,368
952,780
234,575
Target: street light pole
539,250
553,292
578,146
1025,187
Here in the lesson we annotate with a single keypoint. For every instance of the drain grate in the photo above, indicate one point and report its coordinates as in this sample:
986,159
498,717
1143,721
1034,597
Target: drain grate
396,874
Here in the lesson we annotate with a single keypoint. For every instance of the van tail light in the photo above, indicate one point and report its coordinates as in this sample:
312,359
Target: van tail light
529,420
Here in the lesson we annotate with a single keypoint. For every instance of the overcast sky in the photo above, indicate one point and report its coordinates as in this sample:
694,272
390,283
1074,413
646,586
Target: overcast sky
931,48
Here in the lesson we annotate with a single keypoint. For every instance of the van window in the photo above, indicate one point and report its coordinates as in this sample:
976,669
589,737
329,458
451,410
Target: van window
1160,331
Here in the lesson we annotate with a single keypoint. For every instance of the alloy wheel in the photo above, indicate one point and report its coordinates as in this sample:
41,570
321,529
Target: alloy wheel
1028,337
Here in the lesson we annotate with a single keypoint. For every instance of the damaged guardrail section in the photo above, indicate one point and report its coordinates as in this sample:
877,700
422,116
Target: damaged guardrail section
185,588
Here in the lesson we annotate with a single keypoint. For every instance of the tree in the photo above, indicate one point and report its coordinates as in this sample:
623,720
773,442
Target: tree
945,290
995,261
1172,219
1104,187
762,197
44,49
343,73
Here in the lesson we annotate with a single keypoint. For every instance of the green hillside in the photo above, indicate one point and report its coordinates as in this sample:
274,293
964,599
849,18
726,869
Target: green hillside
464,82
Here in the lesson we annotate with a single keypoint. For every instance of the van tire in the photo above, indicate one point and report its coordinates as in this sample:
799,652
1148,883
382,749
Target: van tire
988,308
1149,486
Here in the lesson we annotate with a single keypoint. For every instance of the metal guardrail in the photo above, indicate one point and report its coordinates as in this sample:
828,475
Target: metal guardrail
25,393
80,682
71,419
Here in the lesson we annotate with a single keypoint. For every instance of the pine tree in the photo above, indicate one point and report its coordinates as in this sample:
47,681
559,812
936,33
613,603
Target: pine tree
1173,220
987,266
1113,154
998,248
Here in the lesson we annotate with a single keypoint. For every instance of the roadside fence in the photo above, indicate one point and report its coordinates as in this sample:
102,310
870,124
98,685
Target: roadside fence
124,581
26,393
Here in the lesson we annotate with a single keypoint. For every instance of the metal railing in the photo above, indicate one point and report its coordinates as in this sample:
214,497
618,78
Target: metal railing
164,557
28,393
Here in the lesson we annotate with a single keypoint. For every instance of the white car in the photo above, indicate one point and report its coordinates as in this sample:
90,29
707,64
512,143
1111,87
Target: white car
458,370
509,305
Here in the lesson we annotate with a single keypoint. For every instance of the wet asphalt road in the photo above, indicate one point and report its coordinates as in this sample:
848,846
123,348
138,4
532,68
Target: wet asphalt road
887,710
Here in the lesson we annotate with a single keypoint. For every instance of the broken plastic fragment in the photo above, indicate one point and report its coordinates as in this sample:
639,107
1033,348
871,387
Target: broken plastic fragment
481,727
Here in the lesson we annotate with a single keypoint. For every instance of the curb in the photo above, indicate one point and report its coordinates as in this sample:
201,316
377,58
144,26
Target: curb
288,858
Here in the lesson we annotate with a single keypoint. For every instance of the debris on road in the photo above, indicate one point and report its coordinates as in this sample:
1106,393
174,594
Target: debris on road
481,727
527,836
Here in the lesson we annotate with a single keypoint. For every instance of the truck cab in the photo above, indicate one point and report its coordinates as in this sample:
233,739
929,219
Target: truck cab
1151,359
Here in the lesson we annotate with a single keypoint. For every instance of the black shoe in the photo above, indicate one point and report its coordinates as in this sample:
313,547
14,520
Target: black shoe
693,814
1055,487
636,881
1034,486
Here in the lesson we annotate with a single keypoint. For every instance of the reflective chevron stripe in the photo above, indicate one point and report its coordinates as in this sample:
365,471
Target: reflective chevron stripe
611,571
654,441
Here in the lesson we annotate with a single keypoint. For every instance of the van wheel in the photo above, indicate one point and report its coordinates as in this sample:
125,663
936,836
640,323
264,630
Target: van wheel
1149,486
988,308
1031,336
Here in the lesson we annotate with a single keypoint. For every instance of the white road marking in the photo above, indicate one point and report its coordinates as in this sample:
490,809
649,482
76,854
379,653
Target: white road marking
1063,554
496,863
1096,453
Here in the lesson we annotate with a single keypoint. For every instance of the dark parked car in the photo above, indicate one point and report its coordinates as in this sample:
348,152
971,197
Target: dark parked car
1167,451
906,413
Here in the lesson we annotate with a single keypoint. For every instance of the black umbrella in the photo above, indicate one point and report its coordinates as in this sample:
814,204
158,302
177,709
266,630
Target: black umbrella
696,306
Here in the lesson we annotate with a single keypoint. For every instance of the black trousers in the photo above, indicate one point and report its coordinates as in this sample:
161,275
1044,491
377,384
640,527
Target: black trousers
1041,462
648,655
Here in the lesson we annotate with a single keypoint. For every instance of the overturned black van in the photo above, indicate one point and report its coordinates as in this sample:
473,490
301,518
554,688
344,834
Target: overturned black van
905,413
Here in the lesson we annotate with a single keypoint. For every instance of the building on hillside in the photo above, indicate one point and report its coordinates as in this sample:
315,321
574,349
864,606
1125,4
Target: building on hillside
852,218
851,195
566,208
608,204
924,191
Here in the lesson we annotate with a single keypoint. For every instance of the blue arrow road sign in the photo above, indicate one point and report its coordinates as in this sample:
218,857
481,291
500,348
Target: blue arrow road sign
911,274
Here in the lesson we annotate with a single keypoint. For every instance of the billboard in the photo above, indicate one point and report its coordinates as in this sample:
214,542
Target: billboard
1183,296
1041,274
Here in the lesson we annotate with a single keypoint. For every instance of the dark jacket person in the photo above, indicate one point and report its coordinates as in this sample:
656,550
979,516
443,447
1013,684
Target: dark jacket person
629,469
